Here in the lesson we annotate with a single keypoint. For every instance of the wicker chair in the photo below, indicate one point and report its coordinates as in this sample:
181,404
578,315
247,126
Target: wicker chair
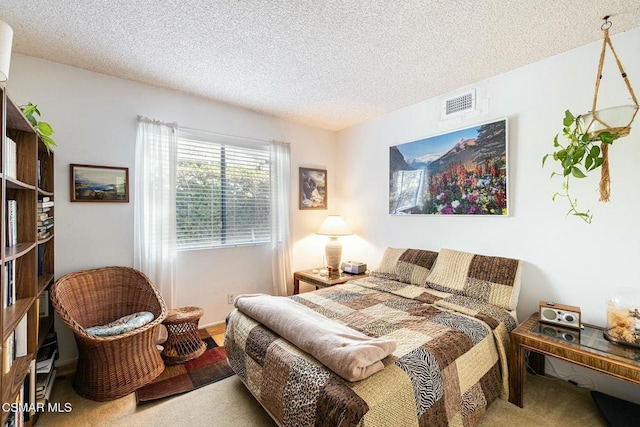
114,366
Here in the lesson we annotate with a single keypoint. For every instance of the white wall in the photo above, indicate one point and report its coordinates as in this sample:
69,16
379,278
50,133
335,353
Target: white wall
567,260
94,117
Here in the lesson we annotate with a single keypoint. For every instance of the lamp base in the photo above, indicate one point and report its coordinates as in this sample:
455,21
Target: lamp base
333,253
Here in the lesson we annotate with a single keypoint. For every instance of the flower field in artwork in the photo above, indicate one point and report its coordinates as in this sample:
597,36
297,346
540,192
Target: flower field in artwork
476,192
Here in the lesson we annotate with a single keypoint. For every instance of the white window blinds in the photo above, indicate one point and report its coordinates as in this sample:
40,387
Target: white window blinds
223,191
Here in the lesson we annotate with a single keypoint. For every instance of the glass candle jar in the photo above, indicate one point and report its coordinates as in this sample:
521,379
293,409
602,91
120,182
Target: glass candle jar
623,317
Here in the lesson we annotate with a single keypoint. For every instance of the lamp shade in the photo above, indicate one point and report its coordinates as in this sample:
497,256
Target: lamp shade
6,41
334,225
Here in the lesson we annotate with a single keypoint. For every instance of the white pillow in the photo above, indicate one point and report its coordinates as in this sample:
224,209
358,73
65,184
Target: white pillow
122,325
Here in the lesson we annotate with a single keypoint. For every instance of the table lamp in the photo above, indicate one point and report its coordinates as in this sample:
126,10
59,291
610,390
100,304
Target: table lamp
6,41
334,227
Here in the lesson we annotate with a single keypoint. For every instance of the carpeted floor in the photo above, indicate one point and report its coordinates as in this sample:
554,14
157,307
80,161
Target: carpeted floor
547,403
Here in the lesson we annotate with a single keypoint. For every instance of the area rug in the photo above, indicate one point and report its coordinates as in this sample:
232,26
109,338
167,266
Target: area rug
212,366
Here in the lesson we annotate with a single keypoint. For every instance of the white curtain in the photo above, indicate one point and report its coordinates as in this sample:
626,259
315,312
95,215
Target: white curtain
281,216
155,205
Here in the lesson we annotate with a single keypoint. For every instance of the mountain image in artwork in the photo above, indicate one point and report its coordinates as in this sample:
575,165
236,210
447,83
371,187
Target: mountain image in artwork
93,183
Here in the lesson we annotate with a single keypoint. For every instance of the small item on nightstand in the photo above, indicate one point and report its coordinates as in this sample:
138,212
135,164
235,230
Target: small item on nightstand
567,316
314,271
324,272
623,317
329,270
354,267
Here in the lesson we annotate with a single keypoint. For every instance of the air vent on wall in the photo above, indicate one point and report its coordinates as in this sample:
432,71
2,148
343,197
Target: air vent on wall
459,104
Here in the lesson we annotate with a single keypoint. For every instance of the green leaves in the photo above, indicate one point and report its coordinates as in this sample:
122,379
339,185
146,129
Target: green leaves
43,129
607,137
576,172
569,119
544,159
578,157
48,142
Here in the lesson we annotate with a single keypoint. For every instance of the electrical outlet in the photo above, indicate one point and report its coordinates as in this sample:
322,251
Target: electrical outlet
230,298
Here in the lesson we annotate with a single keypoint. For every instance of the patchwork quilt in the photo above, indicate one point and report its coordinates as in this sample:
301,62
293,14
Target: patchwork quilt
449,365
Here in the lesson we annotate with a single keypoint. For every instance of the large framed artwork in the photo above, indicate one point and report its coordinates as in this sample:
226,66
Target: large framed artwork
463,172
90,183
313,188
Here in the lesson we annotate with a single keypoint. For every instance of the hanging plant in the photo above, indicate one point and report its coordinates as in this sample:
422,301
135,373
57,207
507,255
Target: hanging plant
581,154
577,157
43,129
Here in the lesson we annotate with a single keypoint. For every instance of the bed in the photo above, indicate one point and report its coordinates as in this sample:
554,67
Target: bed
450,314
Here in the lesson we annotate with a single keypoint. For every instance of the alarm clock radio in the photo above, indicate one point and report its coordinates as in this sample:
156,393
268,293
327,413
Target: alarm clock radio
353,267
560,314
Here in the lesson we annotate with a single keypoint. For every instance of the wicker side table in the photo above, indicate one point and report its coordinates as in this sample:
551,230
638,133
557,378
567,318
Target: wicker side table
183,341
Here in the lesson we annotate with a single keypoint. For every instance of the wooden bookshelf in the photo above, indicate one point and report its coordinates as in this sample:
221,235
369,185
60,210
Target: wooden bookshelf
26,176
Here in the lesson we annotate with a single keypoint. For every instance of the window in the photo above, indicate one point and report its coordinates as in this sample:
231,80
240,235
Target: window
223,191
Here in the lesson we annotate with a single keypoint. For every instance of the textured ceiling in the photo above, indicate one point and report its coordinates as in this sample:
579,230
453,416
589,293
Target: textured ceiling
326,63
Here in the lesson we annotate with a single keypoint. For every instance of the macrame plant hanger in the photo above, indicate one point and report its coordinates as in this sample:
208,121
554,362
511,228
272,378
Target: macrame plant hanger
597,121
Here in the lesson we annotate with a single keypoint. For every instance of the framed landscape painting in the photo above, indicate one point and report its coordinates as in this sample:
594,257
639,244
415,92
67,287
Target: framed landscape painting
313,188
99,184
463,172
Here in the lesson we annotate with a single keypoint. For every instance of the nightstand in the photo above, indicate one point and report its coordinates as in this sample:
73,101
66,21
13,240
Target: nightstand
315,279
585,347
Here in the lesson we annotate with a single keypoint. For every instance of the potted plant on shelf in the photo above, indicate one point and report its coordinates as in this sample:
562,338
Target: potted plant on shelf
578,157
43,129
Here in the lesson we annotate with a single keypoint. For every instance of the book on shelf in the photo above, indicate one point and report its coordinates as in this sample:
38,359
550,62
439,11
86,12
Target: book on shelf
12,223
7,354
12,281
15,418
9,290
44,234
44,205
16,345
20,338
44,230
41,381
12,158
30,384
41,265
51,339
39,172
46,394
44,381
5,288
47,353
44,363
37,328
47,220
21,401
43,307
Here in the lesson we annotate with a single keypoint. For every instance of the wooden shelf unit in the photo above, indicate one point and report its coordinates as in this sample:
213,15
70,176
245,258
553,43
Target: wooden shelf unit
33,179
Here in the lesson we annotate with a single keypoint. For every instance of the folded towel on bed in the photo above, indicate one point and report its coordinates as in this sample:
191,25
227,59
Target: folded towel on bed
349,353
